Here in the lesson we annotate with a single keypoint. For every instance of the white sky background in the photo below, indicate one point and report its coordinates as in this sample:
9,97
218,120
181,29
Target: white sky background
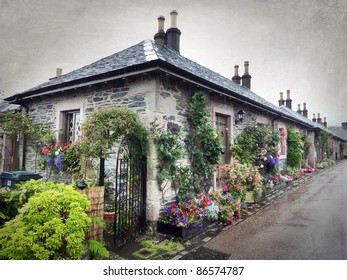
299,45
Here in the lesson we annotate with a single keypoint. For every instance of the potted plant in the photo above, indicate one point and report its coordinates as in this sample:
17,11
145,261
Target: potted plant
184,218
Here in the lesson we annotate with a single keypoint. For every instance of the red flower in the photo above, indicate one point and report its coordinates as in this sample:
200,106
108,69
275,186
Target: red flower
65,147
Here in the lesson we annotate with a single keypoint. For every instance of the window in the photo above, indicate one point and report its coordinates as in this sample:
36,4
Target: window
72,121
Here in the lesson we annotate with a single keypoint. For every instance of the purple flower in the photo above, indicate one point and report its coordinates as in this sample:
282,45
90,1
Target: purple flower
49,161
59,162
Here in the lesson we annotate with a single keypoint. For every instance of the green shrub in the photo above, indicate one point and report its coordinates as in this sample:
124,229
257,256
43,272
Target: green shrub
295,149
52,225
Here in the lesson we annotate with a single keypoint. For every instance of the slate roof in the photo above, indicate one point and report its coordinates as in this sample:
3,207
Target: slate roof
147,54
310,123
5,107
141,54
342,132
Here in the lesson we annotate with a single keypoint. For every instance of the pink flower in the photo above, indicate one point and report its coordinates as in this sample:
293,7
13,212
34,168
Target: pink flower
225,188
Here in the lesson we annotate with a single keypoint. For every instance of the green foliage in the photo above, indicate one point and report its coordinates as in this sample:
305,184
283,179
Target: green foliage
295,149
322,144
150,248
203,142
103,129
239,178
15,123
97,250
254,143
170,149
51,225
106,127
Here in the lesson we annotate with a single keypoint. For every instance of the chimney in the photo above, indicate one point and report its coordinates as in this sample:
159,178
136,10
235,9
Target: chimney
159,37
58,72
281,101
319,120
246,78
173,33
288,100
325,122
304,111
299,110
236,79
314,117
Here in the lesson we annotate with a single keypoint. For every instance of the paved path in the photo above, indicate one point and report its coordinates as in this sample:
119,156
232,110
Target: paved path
308,223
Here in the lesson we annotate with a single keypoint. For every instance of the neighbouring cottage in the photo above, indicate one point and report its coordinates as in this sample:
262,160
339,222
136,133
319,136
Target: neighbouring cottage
154,80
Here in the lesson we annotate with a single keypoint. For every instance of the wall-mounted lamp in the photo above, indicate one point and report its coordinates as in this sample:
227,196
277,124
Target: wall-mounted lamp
240,117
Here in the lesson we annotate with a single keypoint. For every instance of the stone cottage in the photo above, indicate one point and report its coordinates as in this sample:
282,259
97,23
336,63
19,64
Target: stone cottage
154,80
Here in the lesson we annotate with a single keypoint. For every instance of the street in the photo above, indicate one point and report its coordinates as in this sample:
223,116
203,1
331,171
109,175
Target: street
308,223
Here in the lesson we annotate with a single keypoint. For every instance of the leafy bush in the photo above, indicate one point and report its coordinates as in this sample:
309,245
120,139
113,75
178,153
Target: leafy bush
50,222
239,178
257,145
295,149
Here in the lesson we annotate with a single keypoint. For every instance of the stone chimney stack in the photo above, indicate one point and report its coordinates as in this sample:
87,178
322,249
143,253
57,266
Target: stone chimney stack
288,100
325,122
159,37
319,120
236,79
304,111
314,117
246,78
58,72
281,101
173,34
299,110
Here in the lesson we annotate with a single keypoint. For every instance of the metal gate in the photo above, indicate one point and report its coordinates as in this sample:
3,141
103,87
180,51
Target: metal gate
130,191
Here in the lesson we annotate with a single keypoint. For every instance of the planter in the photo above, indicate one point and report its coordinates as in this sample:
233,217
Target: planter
249,197
183,233
109,218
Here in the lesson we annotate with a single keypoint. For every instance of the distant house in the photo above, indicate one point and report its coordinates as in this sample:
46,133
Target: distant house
154,80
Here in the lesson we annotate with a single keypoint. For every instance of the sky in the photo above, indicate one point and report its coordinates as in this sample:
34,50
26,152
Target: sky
300,45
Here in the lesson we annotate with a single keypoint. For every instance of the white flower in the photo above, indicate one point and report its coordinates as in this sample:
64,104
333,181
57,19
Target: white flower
57,152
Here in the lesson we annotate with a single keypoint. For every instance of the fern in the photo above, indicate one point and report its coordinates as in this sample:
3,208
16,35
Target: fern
98,250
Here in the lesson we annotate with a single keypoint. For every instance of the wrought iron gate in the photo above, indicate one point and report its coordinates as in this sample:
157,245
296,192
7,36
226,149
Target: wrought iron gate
130,191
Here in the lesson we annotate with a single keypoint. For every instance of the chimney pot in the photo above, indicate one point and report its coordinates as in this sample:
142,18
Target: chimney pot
319,120
174,19
304,111
246,78
325,122
58,72
314,117
173,34
236,78
159,37
299,110
281,101
288,100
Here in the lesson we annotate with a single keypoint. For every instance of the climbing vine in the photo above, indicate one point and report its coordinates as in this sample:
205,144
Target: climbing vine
322,144
103,129
202,145
295,149
256,143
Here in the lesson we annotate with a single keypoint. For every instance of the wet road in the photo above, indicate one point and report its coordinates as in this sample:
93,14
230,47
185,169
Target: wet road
308,223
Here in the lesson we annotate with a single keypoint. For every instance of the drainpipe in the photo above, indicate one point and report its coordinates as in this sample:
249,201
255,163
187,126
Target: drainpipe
26,110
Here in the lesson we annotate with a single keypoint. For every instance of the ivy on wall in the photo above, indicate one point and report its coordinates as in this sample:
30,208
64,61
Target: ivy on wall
201,144
295,149
256,143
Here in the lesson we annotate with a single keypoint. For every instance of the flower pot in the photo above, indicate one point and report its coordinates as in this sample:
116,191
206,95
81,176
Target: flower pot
249,197
109,218
183,233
